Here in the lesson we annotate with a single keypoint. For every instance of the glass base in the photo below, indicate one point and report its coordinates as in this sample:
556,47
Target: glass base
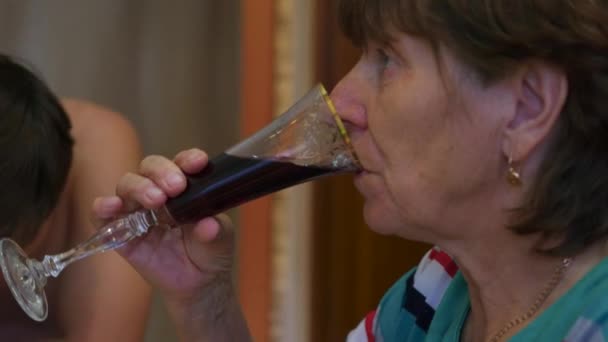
21,280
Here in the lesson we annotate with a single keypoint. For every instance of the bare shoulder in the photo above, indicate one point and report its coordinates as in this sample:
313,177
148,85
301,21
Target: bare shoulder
106,146
93,124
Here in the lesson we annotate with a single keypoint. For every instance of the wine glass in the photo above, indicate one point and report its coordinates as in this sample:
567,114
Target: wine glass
306,142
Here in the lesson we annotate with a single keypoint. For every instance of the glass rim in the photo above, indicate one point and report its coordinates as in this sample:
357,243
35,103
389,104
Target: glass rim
339,123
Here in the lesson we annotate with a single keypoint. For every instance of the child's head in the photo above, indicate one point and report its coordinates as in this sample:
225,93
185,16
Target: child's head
35,151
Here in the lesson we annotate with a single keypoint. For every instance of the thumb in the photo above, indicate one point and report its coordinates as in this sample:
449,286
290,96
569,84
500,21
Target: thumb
210,244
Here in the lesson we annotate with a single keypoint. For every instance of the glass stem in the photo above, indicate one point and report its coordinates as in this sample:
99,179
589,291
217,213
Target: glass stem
113,235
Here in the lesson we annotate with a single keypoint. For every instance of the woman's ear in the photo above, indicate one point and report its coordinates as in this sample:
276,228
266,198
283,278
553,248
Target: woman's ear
541,91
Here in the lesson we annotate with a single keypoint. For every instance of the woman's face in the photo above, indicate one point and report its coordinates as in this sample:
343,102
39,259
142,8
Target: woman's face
428,135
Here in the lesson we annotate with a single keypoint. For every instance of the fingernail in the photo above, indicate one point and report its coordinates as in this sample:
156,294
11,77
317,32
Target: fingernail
108,203
196,157
154,194
174,180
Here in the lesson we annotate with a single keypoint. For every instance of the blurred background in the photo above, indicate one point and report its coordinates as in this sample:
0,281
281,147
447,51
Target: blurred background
208,73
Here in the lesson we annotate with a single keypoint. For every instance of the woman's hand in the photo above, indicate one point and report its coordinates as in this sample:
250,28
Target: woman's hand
178,261
191,265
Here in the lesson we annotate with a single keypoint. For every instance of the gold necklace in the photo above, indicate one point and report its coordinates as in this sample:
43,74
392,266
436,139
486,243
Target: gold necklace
558,275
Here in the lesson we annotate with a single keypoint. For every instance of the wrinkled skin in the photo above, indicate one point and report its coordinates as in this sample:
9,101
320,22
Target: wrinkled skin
168,258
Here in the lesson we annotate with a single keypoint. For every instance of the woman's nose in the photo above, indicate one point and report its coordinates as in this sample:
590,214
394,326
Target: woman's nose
349,103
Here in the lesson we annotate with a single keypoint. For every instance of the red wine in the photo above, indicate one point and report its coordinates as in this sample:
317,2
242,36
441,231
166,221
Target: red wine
229,181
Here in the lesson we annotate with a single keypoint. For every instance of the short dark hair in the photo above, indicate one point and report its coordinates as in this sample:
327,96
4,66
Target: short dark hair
36,150
569,197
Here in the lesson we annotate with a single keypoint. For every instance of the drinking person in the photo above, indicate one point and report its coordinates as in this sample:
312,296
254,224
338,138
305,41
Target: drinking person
56,157
482,127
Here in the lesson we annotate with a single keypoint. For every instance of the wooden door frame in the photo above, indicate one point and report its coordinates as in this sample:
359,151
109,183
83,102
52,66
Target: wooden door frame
254,238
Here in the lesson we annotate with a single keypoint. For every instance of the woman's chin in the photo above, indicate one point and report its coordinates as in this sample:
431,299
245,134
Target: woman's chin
378,221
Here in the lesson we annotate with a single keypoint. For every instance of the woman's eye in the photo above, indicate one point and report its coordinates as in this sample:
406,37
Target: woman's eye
385,63
381,62
382,59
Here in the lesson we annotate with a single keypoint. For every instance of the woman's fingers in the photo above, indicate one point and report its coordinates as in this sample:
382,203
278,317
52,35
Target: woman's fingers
192,160
165,174
157,179
168,175
139,191
105,208
210,244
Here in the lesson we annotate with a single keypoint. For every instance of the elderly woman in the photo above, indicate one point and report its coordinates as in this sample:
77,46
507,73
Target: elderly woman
483,129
